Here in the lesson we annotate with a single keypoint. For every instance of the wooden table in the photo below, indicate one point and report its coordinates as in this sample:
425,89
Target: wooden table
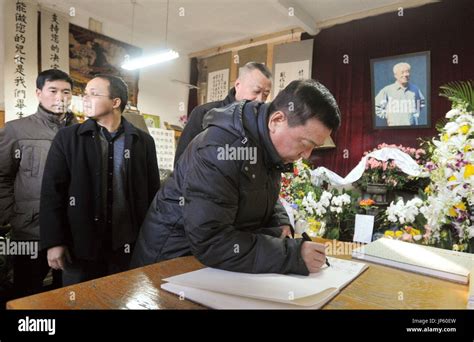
379,287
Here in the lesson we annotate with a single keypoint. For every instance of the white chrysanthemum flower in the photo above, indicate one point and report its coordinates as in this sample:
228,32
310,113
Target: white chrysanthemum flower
453,113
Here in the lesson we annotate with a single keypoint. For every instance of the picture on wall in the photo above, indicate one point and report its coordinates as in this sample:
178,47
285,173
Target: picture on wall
91,53
401,91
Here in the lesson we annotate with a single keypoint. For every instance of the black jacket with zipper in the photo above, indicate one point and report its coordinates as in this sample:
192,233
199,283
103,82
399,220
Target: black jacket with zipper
195,121
224,211
70,210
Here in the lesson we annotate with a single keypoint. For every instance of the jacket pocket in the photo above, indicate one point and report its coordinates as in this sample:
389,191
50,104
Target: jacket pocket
21,216
30,163
26,161
36,161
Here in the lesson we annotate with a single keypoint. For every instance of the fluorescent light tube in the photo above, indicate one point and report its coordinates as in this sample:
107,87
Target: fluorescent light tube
142,62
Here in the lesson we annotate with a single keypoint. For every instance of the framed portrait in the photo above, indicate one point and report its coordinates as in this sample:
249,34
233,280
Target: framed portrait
401,91
91,53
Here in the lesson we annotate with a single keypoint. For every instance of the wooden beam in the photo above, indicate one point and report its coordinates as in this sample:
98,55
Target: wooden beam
300,16
286,36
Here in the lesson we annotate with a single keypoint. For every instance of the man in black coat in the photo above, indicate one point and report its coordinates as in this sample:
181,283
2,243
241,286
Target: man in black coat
99,180
221,203
254,83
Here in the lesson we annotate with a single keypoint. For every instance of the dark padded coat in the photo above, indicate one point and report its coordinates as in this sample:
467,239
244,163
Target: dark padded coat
223,211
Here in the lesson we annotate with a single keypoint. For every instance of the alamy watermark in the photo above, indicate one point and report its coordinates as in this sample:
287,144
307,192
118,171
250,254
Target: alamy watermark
227,152
13,247
335,247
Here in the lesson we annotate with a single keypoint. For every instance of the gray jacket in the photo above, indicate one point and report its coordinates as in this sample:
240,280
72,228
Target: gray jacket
24,146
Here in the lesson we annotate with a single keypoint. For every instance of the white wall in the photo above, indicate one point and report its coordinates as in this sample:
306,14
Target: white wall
157,94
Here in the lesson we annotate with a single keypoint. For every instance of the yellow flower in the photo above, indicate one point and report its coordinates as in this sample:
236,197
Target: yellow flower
389,233
445,137
468,170
452,210
452,178
398,233
467,148
455,248
464,129
314,225
415,232
428,190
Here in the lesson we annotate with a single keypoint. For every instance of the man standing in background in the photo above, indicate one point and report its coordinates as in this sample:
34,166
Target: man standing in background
100,178
254,83
24,145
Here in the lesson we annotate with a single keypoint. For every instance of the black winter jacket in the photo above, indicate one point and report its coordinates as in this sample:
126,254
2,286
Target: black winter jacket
194,125
222,210
70,212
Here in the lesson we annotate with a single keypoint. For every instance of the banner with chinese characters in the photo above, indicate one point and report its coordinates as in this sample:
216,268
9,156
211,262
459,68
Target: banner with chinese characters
165,147
291,61
21,58
288,72
54,41
217,85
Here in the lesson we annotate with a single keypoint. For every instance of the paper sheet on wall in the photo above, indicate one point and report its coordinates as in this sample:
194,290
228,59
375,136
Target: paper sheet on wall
217,85
288,72
165,147
21,58
54,40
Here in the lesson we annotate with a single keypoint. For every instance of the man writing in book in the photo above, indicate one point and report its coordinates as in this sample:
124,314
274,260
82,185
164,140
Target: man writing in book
221,203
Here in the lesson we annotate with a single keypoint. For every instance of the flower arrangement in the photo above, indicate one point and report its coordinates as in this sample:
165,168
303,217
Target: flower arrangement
325,213
450,195
368,205
387,172
406,221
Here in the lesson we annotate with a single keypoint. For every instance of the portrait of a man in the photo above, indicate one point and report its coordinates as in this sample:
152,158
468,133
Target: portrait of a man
400,91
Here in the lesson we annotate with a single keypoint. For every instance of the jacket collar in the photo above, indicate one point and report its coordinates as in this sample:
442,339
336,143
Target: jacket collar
272,153
53,119
90,125
230,98
260,132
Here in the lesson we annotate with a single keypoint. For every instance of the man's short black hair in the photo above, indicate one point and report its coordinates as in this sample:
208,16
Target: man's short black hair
117,88
250,66
51,75
306,99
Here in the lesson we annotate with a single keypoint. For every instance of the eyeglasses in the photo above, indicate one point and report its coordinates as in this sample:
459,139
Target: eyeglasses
94,95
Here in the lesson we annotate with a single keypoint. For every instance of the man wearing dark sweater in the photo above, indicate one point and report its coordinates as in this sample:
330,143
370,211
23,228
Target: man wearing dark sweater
100,178
254,83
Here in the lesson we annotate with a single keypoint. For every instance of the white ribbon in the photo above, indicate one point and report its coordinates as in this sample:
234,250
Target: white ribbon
401,159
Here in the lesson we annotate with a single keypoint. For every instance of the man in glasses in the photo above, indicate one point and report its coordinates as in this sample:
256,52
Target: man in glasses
24,145
100,179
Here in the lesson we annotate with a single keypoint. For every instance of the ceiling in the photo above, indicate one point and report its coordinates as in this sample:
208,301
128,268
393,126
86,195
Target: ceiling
195,25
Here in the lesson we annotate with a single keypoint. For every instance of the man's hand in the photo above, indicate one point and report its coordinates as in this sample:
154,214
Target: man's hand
285,231
57,257
314,255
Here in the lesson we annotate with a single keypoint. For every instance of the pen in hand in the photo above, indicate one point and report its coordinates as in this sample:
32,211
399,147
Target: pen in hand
307,238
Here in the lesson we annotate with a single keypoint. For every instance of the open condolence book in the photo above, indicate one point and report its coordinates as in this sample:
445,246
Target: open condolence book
220,289
436,262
